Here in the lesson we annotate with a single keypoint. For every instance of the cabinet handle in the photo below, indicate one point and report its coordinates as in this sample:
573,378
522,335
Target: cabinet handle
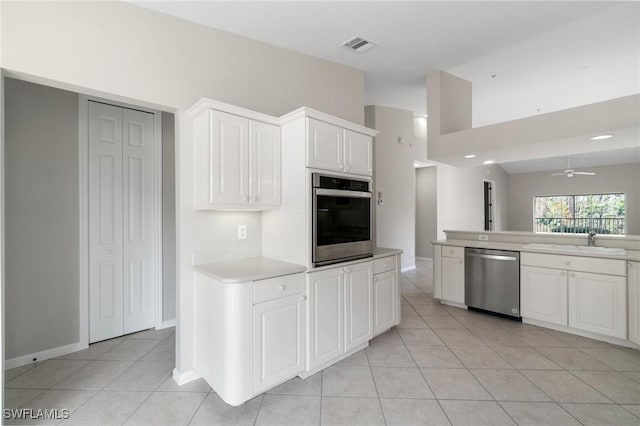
375,280
246,198
109,251
282,287
567,262
572,275
385,265
348,270
563,273
341,272
303,297
347,168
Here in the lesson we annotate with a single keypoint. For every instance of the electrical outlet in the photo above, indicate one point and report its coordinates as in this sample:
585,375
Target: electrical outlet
242,232
483,237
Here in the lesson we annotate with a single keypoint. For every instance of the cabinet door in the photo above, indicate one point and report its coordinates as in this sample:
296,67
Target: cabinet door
325,326
325,146
264,164
598,303
358,311
384,302
453,279
543,294
278,341
358,153
228,159
634,301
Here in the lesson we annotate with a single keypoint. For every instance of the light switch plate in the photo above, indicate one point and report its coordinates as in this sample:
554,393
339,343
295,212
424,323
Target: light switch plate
483,237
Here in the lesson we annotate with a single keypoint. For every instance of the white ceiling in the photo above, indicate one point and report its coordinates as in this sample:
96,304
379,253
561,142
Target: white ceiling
537,50
580,162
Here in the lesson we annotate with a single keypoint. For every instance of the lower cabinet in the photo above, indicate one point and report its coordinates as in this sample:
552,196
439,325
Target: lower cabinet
453,279
340,312
633,277
384,294
543,294
598,303
278,346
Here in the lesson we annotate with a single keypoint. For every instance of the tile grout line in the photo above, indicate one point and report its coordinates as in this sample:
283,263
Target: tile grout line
375,386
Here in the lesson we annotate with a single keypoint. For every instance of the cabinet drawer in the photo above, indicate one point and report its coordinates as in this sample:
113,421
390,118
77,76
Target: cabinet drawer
384,264
574,263
274,288
457,252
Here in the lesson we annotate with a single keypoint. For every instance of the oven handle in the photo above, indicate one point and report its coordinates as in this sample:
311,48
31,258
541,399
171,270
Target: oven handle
341,193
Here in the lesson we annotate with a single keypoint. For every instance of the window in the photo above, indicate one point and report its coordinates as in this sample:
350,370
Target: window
602,213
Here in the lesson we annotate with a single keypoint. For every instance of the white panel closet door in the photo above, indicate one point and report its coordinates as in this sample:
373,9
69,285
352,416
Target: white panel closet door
121,221
138,220
105,222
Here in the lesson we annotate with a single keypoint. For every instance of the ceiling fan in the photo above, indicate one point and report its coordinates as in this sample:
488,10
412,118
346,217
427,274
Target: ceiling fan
569,172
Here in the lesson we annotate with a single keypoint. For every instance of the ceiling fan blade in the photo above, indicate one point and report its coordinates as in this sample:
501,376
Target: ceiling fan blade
584,173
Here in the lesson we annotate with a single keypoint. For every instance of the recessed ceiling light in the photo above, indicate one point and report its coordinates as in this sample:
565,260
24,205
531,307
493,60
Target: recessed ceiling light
488,162
601,137
470,156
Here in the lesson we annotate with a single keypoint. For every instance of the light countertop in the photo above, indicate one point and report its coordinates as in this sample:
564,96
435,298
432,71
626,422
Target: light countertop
244,270
521,247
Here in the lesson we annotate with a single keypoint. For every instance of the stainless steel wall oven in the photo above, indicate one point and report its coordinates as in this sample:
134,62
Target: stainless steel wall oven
341,222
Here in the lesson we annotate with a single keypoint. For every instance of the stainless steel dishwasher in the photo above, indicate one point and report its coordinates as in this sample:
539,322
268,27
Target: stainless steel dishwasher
492,281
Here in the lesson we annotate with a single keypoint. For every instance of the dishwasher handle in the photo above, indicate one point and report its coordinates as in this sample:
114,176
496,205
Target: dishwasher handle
493,257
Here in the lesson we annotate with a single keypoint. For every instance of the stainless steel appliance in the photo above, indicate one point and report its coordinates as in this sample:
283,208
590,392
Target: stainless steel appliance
341,222
492,281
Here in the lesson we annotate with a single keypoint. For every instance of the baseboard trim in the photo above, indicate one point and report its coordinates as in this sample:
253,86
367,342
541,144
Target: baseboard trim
43,355
167,324
581,333
186,377
408,268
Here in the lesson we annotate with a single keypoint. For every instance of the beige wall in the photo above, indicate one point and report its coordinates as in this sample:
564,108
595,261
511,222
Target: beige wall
395,177
620,178
461,197
426,210
42,282
121,49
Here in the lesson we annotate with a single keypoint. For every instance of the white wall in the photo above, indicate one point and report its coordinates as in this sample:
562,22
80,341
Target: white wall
42,281
169,275
461,197
426,210
395,177
620,178
146,58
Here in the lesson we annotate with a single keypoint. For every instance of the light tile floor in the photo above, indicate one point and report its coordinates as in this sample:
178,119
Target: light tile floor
441,366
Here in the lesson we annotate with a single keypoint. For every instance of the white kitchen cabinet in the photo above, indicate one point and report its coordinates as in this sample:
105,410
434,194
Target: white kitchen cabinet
325,145
633,277
453,279
358,305
340,312
330,147
278,341
584,293
598,303
325,324
249,335
386,293
264,164
236,162
358,153
543,294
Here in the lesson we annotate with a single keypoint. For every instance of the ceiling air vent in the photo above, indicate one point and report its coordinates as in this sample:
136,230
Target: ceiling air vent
358,44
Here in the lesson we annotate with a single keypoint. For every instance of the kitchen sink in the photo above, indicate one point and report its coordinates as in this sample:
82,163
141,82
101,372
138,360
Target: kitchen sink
611,251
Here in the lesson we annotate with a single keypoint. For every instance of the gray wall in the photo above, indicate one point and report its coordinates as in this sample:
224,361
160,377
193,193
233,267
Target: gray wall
41,143
395,177
426,211
461,197
619,178
168,218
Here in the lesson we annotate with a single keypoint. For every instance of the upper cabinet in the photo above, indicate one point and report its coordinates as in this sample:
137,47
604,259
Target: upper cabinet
331,147
237,162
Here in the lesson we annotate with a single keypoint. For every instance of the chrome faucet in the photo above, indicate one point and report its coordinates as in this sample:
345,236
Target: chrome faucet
591,239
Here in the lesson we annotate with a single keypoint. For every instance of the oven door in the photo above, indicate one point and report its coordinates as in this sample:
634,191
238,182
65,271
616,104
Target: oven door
341,226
